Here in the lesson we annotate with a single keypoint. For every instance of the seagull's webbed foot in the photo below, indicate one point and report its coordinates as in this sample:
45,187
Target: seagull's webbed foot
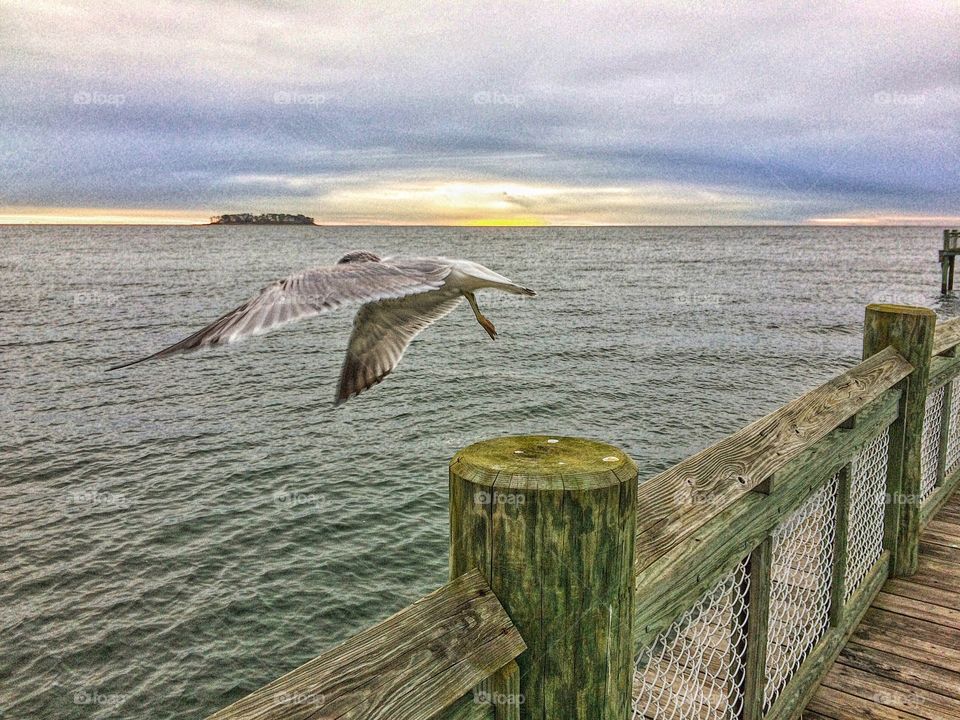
488,326
484,323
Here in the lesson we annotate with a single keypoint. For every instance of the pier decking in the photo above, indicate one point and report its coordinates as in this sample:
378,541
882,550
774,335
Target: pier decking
903,660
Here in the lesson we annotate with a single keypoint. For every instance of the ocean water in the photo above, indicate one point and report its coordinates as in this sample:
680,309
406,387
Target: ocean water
176,534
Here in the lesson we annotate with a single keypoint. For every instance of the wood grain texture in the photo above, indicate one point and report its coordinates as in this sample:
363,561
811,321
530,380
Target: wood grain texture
946,336
889,665
469,707
839,705
496,698
672,583
911,607
505,687
892,693
946,527
550,522
943,369
934,596
758,616
676,502
940,552
941,533
410,666
909,331
838,585
910,638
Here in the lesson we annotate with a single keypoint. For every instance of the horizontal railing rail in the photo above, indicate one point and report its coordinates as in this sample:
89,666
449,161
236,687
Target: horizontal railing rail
947,336
690,568
681,499
427,662
943,369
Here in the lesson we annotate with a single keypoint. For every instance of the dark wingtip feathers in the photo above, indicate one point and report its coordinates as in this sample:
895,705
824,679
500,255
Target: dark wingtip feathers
128,364
347,391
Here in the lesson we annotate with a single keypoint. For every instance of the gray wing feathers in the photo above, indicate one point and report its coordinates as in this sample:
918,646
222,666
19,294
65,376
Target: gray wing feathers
382,331
311,293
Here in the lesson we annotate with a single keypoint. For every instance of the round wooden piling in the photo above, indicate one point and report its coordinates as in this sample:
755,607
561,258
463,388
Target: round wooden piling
550,522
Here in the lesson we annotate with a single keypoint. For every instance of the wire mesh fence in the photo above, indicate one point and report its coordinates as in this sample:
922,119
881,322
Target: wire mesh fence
930,442
801,576
695,668
953,430
868,484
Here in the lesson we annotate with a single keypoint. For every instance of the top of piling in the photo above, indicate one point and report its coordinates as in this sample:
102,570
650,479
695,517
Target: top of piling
548,462
900,309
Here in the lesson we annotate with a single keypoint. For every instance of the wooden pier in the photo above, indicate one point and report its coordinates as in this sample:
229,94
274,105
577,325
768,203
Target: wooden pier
951,248
805,565
903,660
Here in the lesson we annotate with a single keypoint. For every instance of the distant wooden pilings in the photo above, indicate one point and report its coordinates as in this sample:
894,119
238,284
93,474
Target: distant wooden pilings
951,248
723,587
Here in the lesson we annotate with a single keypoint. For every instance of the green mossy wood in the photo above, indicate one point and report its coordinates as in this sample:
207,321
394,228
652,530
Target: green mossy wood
550,522
909,331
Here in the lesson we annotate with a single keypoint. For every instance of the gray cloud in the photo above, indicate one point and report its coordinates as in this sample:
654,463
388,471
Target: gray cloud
794,111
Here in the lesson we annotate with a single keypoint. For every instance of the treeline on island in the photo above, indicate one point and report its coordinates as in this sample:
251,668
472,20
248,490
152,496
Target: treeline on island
262,219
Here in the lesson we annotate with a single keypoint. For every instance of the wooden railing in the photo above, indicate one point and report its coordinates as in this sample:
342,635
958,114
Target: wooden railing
723,587
427,661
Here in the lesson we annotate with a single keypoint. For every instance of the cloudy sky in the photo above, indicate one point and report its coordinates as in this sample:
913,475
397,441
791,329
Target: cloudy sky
529,112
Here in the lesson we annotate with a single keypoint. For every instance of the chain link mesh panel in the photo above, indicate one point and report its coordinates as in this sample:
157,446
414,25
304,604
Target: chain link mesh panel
953,429
801,576
868,485
695,668
930,443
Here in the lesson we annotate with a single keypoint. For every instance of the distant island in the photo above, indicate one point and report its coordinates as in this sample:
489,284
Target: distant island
264,219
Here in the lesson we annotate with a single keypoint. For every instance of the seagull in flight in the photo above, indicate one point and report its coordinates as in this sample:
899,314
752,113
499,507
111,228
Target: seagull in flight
399,298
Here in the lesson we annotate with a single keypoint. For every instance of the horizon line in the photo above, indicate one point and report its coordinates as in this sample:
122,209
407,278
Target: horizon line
807,224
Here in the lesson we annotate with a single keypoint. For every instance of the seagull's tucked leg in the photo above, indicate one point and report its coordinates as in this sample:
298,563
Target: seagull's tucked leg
484,323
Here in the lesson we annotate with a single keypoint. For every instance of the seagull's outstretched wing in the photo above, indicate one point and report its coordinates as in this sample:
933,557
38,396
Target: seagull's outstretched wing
311,293
381,333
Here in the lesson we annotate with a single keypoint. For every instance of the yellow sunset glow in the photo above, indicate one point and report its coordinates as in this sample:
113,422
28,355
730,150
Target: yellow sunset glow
519,221
479,203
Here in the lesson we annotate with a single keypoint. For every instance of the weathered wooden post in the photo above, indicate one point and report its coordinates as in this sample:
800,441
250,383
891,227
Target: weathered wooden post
910,331
550,522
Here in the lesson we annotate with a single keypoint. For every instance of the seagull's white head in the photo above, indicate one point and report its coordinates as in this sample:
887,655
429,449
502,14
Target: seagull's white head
358,256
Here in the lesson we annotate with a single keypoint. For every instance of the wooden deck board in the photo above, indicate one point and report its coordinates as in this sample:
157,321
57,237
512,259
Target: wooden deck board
903,661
